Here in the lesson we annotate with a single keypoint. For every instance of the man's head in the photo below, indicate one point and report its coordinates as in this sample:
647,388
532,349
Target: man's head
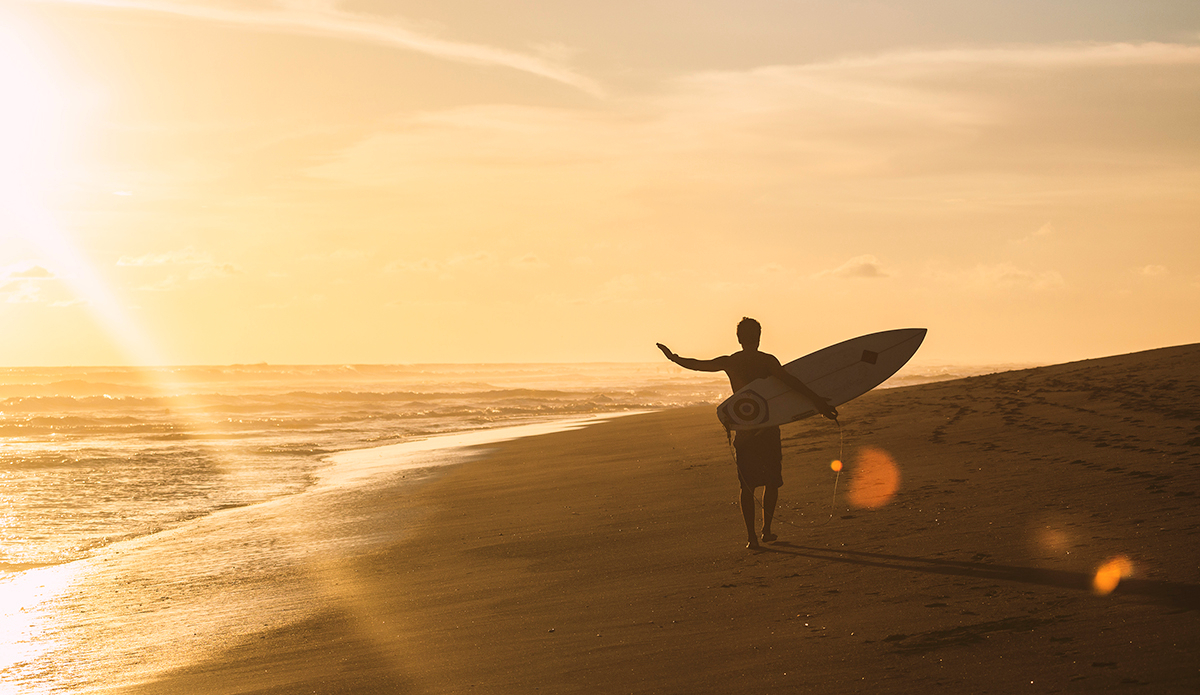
749,332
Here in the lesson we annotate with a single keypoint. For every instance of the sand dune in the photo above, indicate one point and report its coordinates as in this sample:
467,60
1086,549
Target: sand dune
611,559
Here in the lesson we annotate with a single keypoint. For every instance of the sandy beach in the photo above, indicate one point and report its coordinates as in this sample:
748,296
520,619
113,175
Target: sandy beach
611,559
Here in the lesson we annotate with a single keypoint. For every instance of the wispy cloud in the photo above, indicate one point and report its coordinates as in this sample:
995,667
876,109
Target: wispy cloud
186,256
338,256
19,283
466,262
924,113
323,18
1000,276
865,267
26,271
528,262
1080,53
19,292
199,265
622,289
424,265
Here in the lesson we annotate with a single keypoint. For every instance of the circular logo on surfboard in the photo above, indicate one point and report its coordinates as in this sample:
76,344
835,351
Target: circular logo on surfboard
748,409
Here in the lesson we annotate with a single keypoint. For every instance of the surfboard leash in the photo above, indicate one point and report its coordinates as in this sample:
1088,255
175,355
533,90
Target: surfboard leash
837,467
837,477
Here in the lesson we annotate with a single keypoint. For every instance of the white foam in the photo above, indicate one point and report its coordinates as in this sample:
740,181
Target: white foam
349,468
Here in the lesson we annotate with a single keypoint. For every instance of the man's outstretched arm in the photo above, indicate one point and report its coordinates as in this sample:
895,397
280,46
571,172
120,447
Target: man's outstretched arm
714,365
823,406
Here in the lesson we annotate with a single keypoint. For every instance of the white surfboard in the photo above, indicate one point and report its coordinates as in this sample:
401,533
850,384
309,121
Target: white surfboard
838,373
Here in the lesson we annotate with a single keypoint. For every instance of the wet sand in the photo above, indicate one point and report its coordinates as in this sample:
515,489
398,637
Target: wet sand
611,559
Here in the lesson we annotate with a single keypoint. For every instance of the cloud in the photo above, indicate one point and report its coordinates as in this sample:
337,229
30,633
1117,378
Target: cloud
424,265
470,259
1054,55
36,272
528,262
446,268
982,118
199,266
213,270
479,259
338,255
348,254
21,283
167,284
20,292
621,289
867,112
323,18
1153,270
1000,276
1045,231
865,267
186,256
485,140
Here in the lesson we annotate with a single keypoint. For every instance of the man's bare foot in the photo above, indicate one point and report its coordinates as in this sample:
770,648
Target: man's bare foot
768,537
752,544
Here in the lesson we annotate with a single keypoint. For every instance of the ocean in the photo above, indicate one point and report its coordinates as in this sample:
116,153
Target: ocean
152,516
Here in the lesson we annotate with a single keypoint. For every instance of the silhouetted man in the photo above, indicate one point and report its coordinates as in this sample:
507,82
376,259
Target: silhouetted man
759,452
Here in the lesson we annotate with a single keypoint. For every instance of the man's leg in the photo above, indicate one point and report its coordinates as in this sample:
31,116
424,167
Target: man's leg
748,514
770,499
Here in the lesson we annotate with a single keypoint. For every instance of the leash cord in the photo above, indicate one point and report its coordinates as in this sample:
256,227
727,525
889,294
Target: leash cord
833,502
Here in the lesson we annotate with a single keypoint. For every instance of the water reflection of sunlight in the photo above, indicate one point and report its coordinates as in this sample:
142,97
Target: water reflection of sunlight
26,601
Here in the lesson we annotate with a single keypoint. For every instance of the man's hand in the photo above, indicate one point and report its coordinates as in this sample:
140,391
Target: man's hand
666,351
795,384
825,409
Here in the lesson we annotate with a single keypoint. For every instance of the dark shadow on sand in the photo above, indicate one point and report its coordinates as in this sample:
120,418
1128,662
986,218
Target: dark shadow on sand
1184,597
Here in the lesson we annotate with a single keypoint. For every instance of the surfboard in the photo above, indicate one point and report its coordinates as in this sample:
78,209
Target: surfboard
838,373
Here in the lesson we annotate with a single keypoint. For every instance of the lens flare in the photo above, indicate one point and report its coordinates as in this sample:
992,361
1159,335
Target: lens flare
875,478
1110,574
836,466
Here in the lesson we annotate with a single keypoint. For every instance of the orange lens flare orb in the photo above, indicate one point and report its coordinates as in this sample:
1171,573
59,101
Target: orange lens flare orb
1110,574
874,479
836,465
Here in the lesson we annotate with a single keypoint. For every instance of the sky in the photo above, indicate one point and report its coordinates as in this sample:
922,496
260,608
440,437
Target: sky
370,181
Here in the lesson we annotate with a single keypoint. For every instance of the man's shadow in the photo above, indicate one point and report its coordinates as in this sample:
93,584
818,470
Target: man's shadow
1184,597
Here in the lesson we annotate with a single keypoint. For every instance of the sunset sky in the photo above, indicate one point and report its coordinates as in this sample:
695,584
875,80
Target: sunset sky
370,181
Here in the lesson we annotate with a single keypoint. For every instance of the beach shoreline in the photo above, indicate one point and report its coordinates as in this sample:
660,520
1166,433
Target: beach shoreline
193,584
610,558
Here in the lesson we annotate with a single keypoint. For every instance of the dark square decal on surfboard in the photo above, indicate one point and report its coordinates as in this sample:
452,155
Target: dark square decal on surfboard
870,357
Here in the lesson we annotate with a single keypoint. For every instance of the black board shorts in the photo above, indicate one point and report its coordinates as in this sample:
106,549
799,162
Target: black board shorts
759,455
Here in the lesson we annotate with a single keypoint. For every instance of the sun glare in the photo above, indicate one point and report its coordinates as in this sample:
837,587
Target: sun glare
875,479
37,123
33,117
1110,574
26,611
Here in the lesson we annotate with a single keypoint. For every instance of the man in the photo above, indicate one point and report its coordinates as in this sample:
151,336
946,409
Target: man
759,453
